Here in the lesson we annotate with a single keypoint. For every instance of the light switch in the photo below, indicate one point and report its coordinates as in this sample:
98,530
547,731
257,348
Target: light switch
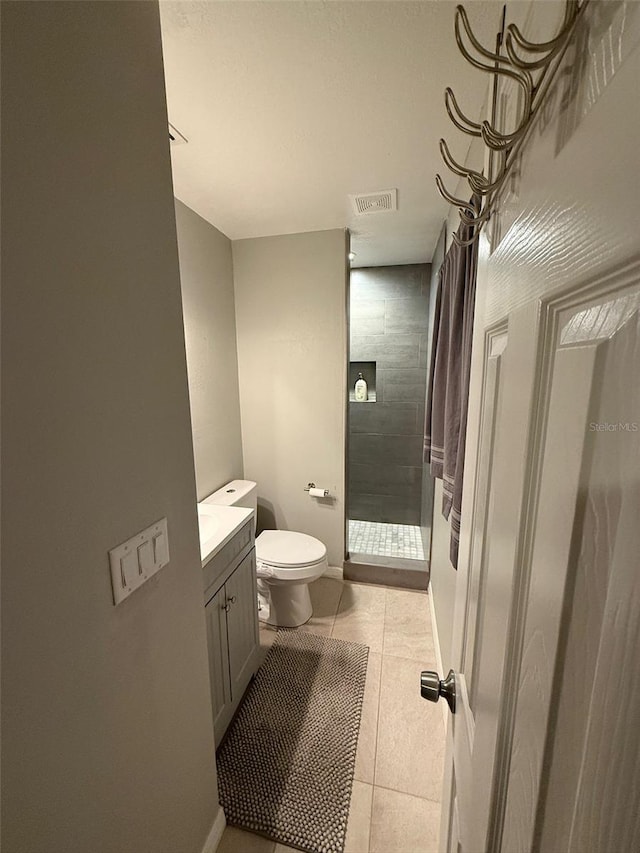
160,550
139,558
129,570
145,558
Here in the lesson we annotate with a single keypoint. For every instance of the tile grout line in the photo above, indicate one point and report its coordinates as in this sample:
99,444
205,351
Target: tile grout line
335,613
409,794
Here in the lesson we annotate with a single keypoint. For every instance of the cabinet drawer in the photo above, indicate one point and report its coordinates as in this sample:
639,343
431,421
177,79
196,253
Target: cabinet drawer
218,569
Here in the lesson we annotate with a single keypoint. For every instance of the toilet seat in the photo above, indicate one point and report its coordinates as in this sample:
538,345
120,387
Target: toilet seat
285,555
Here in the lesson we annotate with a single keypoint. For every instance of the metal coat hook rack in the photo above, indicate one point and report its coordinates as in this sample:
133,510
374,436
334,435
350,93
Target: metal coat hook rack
531,67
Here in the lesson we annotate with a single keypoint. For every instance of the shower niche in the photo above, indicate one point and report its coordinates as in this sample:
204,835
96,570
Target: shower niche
368,371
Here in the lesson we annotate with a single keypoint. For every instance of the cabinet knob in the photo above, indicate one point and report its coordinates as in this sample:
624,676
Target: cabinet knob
232,600
226,607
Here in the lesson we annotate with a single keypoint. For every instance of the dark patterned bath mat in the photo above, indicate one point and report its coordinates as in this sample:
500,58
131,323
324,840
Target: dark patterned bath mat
285,769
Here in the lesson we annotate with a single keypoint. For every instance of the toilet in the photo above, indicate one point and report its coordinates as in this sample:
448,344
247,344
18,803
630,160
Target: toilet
286,562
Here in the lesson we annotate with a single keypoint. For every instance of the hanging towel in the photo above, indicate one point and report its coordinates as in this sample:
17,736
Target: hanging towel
448,390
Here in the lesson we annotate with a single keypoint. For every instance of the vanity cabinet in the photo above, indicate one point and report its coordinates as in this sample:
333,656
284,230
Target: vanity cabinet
231,611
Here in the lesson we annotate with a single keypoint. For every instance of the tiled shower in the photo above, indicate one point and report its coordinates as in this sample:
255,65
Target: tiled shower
389,317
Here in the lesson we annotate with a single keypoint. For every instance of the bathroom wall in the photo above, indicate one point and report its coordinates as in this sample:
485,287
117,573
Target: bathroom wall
106,718
388,324
291,322
206,272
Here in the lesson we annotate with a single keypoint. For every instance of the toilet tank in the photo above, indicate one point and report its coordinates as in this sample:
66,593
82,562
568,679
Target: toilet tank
236,493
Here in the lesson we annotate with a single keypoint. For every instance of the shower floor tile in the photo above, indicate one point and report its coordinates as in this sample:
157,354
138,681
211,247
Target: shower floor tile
386,540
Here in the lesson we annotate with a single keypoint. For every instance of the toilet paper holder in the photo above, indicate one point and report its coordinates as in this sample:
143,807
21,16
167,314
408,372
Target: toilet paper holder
311,487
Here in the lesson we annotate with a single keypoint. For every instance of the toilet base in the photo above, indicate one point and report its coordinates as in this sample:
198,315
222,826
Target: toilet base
284,605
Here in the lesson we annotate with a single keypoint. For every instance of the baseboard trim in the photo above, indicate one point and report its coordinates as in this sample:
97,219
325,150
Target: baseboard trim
438,651
215,835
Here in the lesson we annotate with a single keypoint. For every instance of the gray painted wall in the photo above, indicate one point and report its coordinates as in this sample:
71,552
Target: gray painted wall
388,324
106,718
206,272
292,354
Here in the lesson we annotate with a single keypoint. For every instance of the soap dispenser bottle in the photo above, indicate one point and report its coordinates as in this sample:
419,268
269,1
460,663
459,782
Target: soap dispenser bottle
361,393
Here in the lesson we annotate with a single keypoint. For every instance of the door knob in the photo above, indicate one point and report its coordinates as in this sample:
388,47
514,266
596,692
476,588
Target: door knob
432,688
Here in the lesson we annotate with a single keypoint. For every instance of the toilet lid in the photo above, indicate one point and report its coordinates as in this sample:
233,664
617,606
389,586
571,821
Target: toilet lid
286,549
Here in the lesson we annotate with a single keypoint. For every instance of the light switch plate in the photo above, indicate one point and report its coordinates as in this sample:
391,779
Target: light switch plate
136,560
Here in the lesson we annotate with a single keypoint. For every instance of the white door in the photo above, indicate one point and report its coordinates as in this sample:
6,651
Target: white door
542,747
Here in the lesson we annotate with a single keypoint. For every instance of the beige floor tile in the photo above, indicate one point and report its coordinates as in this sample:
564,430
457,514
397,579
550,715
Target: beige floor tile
359,826
237,841
407,627
366,754
411,736
282,848
401,823
360,616
325,596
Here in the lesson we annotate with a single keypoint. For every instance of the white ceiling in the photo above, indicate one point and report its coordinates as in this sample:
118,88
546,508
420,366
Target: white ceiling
289,107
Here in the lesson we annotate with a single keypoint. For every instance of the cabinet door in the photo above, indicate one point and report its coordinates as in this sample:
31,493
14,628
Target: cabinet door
216,618
242,625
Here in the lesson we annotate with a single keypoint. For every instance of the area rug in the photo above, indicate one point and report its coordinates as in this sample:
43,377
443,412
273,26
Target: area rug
285,768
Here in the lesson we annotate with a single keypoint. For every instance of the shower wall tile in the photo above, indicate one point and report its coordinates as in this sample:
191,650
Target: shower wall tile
395,339
383,507
412,391
383,418
389,282
366,309
385,479
366,326
422,355
404,316
372,449
400,353
400,376
406,384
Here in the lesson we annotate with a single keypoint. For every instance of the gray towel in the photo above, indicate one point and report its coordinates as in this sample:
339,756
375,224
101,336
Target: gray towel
448,391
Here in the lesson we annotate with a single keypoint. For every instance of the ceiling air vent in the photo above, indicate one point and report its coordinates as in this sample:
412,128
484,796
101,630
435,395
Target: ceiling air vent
175,137
384,201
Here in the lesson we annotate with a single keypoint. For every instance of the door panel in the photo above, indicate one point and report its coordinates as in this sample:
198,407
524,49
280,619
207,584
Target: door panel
569,689
476,584
551,534
483,617
242,597
216,619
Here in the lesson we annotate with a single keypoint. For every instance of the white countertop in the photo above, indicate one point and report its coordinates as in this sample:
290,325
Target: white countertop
218,524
